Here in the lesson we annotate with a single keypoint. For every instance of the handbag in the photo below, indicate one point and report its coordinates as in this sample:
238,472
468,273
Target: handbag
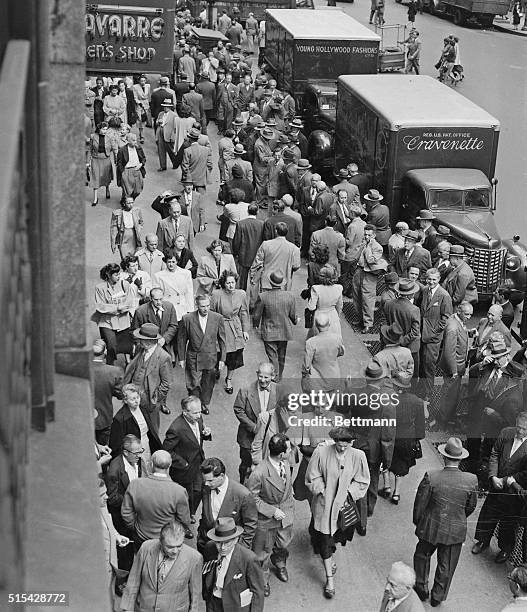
309,316
348,515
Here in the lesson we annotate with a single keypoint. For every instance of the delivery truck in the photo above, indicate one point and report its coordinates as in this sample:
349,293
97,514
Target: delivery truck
305,47
423,145
469,11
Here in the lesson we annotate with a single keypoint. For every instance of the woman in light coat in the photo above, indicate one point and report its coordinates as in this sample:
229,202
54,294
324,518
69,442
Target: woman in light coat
333,472
176,284
212,266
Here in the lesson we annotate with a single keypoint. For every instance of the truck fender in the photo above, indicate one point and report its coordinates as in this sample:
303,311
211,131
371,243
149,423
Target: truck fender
320,146
516,267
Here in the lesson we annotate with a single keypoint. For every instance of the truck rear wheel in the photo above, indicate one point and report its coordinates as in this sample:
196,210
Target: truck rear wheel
486,20
459,17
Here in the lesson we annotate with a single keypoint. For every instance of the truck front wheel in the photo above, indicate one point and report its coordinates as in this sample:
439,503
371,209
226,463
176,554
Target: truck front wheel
459,17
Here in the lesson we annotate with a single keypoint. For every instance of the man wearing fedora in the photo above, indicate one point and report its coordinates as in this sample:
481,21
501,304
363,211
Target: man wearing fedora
393,357
165,134
275,314
379,216
428,232
408,317
289,174
364,289
444,500
453,361
486,326
305,202
507,478
436,308
197,161
264,158
352,191
191,205
233,579
390,292
413,254
150,371
304,180
460,281
245,166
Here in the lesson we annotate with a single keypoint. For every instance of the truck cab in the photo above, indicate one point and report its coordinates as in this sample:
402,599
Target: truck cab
319,107
462,199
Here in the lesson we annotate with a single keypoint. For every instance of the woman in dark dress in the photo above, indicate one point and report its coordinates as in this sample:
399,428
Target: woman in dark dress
410,416
184,256
100,161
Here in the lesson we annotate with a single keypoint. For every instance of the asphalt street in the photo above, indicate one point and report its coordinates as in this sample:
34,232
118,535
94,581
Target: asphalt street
496,80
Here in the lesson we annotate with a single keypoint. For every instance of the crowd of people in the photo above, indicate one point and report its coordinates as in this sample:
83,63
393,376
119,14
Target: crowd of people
173,312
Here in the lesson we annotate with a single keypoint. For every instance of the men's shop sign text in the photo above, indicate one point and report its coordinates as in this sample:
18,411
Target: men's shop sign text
138,40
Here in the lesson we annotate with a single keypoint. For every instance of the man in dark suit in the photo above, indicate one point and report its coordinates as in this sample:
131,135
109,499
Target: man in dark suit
507,476
201,345
150,503
408,317
224,562
158,97
278,216
275,313
160,313
184,441
413,254
428,231
351,190
248,237
150,370
174,224
223,497
444,500
460,281
320,208
192,206
436,308
238,181
502,297
194,100
249,403
131,167
107,383
453,361
271,484
125,467
359,179
379,216
197,161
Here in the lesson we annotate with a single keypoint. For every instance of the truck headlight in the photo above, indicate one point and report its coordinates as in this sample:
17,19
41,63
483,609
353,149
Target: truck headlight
513,263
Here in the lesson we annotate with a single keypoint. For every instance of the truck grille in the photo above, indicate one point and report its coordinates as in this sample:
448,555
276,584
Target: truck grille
488,266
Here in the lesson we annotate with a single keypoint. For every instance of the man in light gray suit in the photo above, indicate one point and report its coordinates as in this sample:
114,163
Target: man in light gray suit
320,369
150,503
174,584
175,224
197,161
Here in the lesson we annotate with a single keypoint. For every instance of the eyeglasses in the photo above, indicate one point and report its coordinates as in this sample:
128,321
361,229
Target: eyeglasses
136,453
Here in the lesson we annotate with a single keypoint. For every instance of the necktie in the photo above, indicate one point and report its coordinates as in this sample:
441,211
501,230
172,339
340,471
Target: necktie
217,491
282,471
159,315
161,570
390,605
143,88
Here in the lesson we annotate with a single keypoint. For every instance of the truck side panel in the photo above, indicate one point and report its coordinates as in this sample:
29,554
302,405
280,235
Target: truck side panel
493,7
329,59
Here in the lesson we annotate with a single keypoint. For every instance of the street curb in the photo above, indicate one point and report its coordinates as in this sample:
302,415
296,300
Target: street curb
509,31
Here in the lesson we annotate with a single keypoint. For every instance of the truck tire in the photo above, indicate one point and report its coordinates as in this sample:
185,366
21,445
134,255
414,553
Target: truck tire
486,20
458,17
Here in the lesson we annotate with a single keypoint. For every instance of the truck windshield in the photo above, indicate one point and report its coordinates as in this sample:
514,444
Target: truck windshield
328,102
473,198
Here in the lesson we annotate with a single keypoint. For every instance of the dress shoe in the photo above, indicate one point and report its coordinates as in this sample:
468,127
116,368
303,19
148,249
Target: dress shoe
423,595
434,603
479,547
267,590
165,410
329,593
281,573
204,410
361,530
501,557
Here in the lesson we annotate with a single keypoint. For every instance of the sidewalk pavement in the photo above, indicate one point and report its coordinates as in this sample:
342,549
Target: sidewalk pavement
503,24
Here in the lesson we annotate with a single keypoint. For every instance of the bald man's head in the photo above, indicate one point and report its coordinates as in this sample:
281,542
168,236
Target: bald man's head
161,461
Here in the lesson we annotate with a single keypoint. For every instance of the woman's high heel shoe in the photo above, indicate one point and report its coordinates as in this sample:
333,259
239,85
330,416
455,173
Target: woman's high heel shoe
395,499
329,593
228,386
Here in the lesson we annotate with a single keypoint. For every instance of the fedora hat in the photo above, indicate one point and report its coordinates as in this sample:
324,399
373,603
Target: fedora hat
296,124
147,331
373,371
238,121
442,230
288,154
270,122
343,173
496,349
267,133
391,333
239,150
224,529
412,235
167,102
453,449
457,250
373,196
402,379
407,287
426,215
276,279
194,134
392,278
260,125
303,164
